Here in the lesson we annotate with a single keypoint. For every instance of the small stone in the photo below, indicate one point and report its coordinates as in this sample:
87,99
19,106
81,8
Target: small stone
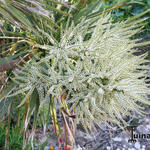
89,137
137,145
108,148
148,126
147,120
117,139
126,139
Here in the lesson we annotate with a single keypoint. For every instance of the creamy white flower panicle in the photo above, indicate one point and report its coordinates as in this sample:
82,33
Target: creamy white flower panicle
94,64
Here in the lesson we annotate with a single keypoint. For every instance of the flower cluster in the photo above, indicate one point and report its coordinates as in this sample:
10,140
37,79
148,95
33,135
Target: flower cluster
94,64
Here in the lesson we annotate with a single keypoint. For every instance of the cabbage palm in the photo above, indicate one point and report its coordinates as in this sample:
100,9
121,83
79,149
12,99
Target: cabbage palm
48,42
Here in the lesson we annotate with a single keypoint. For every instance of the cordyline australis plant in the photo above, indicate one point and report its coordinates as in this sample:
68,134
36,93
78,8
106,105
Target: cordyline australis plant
94,66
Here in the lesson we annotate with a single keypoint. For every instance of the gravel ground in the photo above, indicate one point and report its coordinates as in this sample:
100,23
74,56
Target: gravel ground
105,139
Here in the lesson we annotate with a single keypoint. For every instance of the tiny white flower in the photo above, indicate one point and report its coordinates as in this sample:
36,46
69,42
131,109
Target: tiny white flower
70,79
101,91
93,99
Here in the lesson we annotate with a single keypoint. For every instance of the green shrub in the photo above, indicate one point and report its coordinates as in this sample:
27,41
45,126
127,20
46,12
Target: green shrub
15,138
79,59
